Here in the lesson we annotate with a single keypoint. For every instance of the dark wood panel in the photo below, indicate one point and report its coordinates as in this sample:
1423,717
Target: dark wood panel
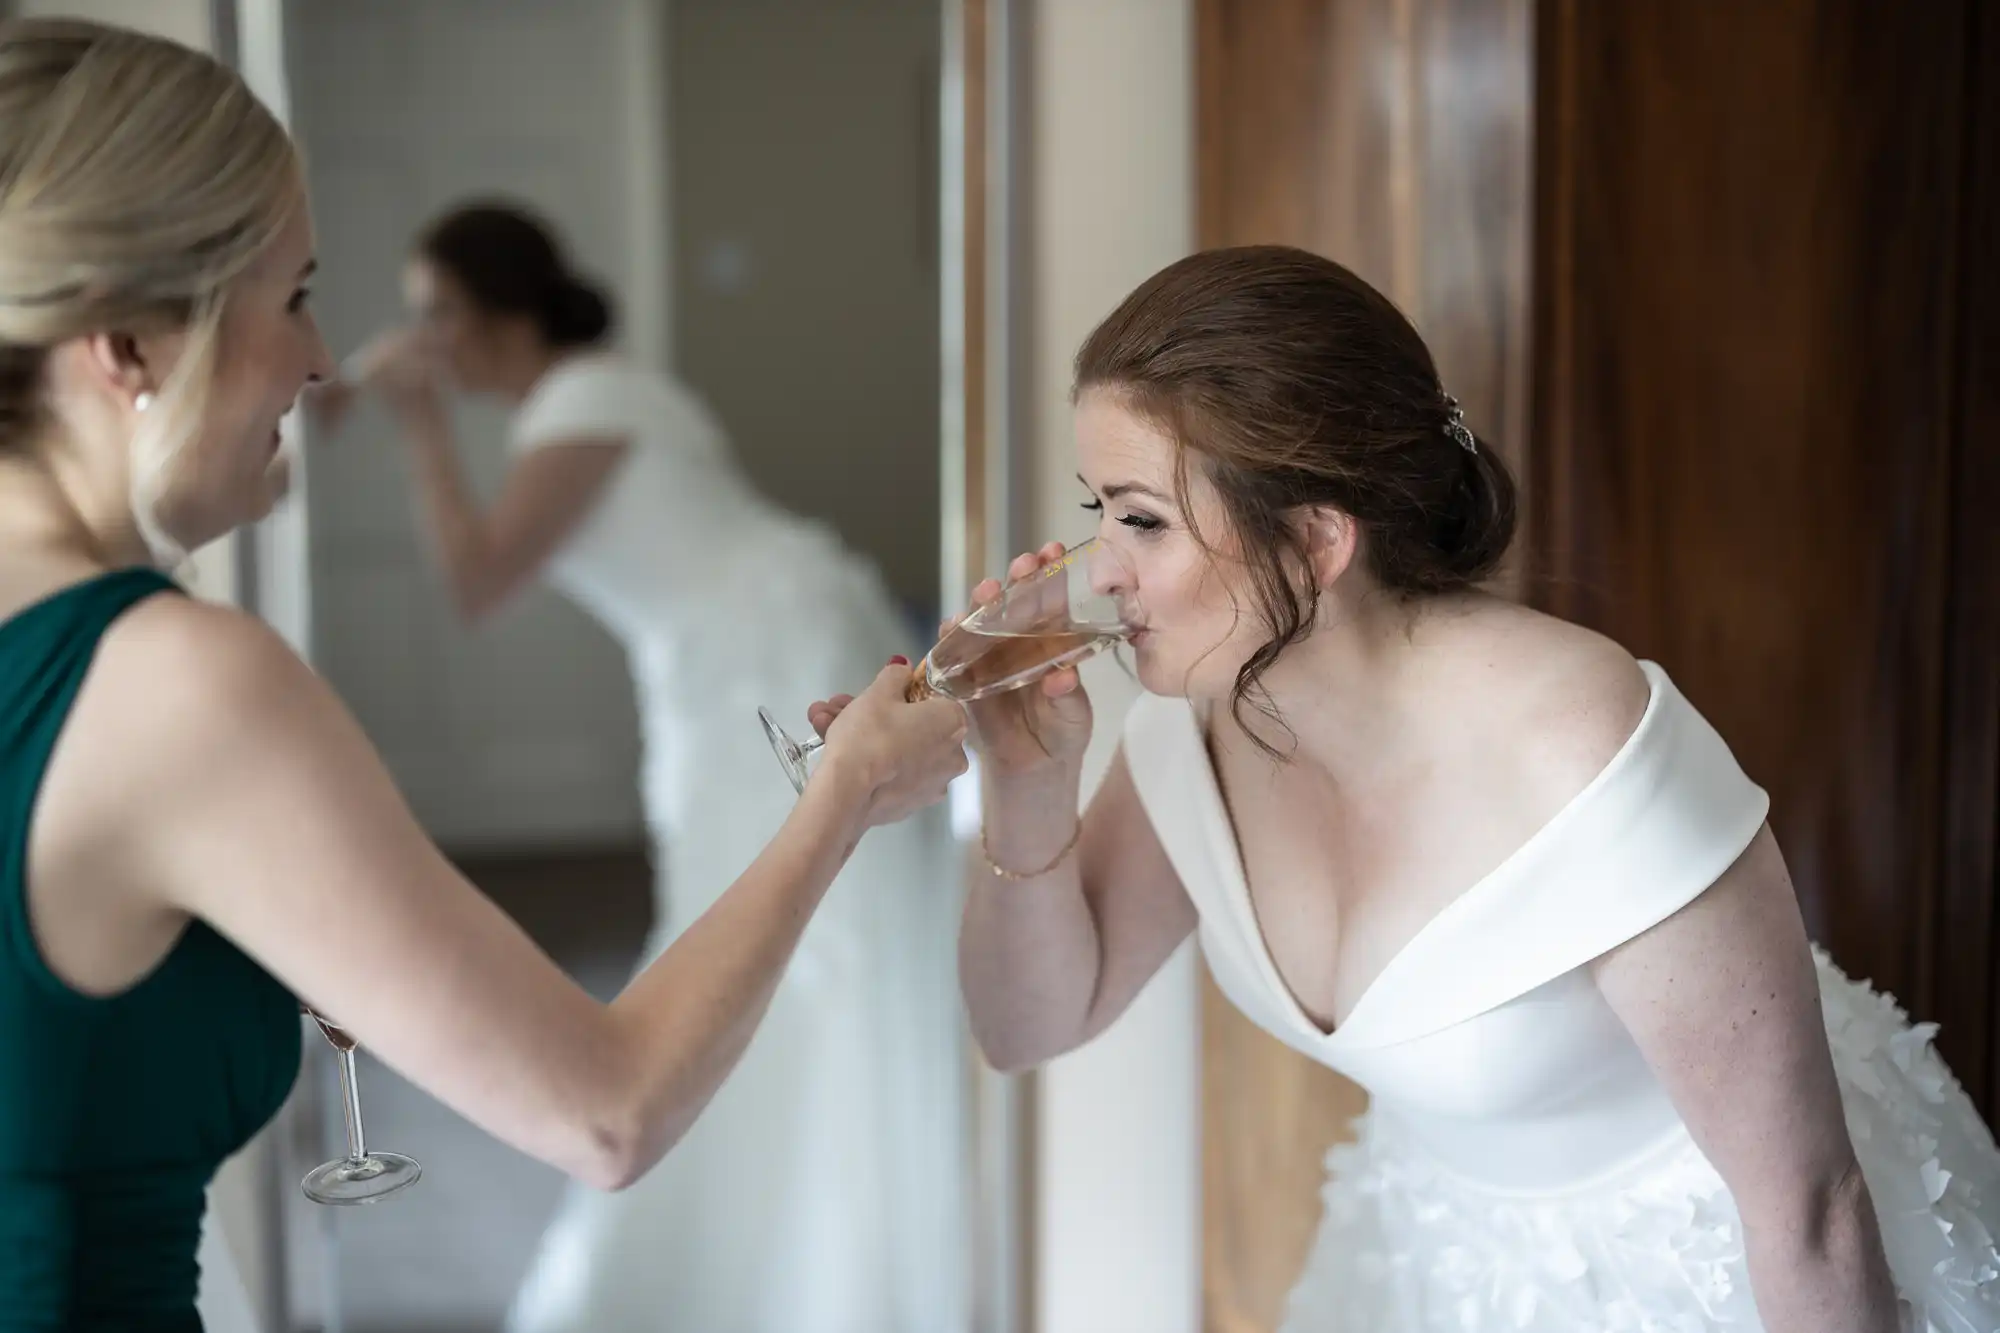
1746,402
1970,885
1392,135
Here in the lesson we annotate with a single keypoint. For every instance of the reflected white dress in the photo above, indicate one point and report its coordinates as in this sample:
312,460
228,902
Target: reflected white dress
221,1299
1519,1167
820,1191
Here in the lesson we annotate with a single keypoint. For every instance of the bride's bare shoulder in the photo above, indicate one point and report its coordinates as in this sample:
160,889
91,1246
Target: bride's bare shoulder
1564,699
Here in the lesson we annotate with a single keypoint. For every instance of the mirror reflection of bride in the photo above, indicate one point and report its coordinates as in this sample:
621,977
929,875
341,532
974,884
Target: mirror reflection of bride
819,1190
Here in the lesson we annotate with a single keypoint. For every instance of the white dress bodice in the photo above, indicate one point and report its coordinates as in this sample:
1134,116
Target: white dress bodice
1521,1166
709,585
1485,1035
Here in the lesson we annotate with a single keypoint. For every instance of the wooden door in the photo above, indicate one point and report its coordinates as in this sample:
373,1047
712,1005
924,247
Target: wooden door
1765,436
1746,363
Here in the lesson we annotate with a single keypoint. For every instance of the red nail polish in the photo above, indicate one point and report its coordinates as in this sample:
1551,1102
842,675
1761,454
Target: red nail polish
899,660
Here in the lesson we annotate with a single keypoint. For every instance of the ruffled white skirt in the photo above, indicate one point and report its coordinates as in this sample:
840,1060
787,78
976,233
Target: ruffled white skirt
1407,1246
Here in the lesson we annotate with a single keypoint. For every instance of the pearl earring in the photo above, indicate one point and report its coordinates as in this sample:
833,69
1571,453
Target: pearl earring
142,402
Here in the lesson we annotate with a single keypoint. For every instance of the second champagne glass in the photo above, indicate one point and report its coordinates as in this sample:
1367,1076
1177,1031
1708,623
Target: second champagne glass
1066,611
362,1176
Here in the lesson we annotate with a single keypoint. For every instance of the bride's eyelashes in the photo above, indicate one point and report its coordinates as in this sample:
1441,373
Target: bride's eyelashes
1137,521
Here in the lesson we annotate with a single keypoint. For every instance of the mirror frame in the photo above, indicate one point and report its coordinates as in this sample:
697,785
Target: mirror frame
985,326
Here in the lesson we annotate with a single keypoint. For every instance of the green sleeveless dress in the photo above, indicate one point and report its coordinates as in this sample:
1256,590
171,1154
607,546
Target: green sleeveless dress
114,1113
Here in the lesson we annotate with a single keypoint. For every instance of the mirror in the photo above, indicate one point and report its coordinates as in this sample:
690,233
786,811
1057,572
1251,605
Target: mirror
792,207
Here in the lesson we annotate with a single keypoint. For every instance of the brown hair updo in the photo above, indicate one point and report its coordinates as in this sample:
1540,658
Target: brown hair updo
1293,384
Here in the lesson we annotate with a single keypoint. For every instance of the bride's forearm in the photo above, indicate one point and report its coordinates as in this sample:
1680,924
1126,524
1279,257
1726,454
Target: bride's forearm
449,510
1028,947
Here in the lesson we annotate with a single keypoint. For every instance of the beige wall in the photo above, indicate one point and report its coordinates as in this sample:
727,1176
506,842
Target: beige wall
1118,1217
805,257
186,21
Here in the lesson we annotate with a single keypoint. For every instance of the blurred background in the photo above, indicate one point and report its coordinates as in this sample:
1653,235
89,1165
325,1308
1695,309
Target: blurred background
1708,271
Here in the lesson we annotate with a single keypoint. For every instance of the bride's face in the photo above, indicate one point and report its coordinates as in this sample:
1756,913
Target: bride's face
455,335
1191,595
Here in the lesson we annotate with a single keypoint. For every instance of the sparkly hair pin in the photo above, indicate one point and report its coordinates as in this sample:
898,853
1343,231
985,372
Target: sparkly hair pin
1455,427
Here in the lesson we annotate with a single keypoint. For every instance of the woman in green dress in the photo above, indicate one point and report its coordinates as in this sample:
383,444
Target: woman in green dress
194,835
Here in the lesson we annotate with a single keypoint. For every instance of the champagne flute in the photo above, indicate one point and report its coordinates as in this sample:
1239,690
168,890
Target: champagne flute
1063,613
361,1176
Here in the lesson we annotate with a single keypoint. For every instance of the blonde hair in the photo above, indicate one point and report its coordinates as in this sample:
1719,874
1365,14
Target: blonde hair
137,179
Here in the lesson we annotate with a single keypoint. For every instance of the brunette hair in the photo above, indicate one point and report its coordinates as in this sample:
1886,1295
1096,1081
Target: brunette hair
509,262
1294,384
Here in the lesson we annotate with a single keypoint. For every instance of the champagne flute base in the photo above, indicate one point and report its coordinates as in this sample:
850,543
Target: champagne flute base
348,1182
791,754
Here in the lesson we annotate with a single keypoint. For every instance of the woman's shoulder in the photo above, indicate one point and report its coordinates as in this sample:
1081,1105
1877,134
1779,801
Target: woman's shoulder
178,695
601,392
607,371
190,658
1557,702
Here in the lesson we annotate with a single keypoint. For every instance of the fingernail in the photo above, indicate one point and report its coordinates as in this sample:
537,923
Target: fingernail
899,660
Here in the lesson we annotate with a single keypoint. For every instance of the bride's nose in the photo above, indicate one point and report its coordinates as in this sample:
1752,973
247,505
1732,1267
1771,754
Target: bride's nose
1111,572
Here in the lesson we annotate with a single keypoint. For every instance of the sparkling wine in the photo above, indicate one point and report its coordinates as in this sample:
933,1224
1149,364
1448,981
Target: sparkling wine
1067,610
970,663
336,1035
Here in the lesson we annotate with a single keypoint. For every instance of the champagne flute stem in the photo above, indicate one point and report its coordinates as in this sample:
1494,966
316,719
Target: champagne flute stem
350,1093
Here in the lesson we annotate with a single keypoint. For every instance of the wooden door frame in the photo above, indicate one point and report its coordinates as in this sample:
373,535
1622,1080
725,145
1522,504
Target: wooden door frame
985,327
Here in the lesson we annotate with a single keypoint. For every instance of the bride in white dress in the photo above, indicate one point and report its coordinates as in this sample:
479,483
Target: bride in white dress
820,1191
1474,858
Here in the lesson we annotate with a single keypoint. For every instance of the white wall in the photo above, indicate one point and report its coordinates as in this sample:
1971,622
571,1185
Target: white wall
1119,1207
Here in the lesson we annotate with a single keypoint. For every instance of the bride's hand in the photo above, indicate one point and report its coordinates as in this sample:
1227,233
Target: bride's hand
328,404
394,364
902,755
1045,725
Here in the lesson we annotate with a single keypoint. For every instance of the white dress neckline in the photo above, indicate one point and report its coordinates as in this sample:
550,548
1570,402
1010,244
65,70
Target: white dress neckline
1544,900
1215,810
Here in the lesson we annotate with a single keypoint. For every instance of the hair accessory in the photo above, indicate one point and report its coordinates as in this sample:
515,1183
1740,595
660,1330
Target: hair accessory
1455,427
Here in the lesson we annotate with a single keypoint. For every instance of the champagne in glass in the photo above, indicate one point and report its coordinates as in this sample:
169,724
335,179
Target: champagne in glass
1063,613
361,1176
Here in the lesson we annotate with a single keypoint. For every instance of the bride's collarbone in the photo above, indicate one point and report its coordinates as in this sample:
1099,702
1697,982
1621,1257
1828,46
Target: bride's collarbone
1339,885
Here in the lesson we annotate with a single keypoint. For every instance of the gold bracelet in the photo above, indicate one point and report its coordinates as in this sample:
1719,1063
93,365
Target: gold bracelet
1000,872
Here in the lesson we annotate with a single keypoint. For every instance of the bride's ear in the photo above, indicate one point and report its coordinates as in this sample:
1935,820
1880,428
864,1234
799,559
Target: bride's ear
1332,541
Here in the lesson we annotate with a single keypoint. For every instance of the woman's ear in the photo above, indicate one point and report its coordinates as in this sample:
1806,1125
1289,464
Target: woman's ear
119,363
1332,540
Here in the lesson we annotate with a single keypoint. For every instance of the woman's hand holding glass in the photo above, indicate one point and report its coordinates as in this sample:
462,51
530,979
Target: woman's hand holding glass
900,756
1026,637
